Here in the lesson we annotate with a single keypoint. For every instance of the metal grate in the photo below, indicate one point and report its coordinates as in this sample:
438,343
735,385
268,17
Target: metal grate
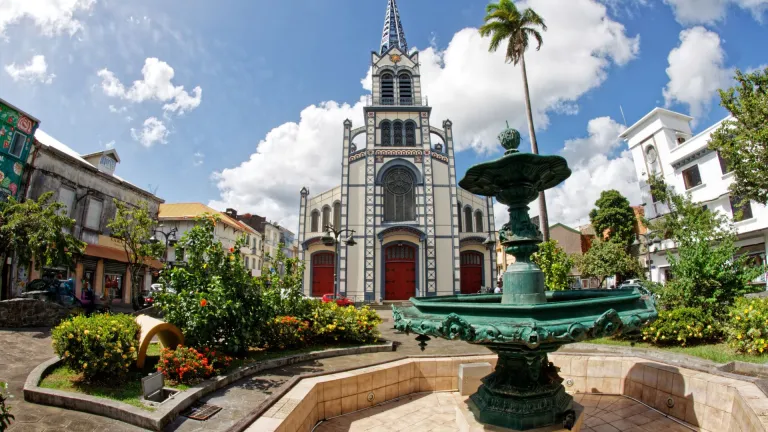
201,411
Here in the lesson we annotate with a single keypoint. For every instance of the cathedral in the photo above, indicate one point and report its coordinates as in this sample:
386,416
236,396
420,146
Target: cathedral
414,232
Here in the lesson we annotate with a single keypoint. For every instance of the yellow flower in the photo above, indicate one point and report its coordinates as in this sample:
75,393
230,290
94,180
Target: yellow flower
66,353
85,332
738,318
125,356
746,311
738,337
85,365
709,326
133,349
70,335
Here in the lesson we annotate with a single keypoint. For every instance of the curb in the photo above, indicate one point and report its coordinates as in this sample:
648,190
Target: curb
169,410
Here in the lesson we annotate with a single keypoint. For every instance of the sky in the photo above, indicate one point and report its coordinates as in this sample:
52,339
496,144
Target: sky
241,103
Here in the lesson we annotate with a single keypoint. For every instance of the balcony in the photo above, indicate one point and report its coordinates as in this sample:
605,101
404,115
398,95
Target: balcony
371,101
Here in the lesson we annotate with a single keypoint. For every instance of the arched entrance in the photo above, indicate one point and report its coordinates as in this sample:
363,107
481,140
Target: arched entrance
399,272
471,272
322,273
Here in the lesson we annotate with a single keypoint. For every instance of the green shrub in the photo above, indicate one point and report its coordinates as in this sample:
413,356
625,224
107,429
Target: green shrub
682,326
5,412
101,346
331,322
287,332
747,326
185,365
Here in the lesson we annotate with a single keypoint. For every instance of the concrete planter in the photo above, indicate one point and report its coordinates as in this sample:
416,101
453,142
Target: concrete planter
167,412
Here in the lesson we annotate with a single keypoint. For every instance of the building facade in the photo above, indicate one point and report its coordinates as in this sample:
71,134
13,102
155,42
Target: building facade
228,231
662,144
88,187
17,131
417,232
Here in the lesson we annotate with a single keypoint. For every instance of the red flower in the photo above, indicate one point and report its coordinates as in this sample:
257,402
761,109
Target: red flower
231,250
203,302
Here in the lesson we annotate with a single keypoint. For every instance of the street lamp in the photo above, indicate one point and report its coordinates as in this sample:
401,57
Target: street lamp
650,239
333,237
169,237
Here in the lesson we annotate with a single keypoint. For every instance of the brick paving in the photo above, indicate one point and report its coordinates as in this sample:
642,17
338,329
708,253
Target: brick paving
23,350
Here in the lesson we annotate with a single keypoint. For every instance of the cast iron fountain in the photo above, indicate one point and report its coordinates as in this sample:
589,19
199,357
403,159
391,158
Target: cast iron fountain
526,322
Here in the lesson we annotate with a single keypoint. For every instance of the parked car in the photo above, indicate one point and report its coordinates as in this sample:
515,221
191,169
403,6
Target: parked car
340,300
147,298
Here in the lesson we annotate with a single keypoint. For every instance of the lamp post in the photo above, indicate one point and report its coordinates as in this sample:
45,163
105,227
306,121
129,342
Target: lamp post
332,237
169,237
650,239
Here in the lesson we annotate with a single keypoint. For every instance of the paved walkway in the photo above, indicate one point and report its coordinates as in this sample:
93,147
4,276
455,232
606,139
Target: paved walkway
23,350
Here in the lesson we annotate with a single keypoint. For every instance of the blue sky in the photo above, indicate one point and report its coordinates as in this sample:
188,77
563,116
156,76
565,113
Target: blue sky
248,138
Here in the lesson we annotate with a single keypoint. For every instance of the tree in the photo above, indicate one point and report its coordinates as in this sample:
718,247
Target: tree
37,229
555,263
705,270
613,214
742,141
133,226
505,23
607,258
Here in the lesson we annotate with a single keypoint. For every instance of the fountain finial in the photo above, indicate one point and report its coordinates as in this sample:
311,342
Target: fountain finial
510,139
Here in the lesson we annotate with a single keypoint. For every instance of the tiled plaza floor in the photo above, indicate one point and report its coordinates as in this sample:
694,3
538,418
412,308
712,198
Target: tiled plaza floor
436,412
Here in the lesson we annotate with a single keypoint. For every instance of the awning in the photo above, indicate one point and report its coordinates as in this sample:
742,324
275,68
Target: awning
115,255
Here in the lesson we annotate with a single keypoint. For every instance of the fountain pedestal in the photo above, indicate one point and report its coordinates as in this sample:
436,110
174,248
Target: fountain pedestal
467,415
526,322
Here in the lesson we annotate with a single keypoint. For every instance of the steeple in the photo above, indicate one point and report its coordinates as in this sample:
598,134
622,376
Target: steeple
393,35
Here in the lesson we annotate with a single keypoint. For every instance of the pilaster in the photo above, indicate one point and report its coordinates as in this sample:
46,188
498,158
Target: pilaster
302,235
344,249
429,206
448,127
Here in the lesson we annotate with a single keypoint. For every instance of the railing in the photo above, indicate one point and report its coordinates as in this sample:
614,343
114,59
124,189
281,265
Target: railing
370,100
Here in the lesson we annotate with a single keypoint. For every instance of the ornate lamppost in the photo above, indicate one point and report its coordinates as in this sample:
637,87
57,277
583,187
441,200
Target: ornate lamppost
333,237
169,237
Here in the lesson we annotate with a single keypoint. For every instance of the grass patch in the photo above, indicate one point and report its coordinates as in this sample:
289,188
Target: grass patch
718,353
129,391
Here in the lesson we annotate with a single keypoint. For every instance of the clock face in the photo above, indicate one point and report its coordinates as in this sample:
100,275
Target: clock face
395,58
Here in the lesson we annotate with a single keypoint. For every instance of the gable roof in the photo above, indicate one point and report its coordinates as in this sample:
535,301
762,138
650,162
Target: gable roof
184,211
564,226
111,152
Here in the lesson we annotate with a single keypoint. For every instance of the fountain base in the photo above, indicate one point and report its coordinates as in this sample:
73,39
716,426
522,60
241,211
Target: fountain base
524,392
467,419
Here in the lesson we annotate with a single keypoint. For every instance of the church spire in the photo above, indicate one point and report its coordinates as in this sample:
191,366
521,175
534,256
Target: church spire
393,35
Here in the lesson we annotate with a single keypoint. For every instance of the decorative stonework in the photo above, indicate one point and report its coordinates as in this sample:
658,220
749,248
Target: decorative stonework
380,154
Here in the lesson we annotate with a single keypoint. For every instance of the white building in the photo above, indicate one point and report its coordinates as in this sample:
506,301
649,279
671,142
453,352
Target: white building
662,143
182,217
399,194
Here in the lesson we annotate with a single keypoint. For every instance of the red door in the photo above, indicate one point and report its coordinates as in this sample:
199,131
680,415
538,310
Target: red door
322,273
471,272
399,272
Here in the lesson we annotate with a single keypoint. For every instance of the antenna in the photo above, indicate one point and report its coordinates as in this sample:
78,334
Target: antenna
153,189
622,115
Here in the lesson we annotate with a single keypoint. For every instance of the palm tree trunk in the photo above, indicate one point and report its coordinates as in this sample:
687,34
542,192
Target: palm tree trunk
543,218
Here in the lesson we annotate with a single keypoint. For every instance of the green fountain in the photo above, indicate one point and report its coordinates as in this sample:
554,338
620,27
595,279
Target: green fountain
526,322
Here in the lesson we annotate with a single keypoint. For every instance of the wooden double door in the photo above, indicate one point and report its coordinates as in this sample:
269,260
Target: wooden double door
323,264
471,272
399,272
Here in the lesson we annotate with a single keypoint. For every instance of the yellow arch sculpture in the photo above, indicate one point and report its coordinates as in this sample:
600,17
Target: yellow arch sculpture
170,336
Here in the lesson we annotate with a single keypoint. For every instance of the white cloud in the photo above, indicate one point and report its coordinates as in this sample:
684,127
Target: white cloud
152,131
110,145
156,85
34,71
198,159
688,12
696,70
50,16
477,90
116,110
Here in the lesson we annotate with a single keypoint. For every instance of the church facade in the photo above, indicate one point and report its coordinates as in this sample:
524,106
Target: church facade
416,232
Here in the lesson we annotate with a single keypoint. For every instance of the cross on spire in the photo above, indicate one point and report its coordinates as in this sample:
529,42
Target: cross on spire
393,35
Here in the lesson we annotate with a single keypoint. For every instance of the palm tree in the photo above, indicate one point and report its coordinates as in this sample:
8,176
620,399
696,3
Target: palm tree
503,22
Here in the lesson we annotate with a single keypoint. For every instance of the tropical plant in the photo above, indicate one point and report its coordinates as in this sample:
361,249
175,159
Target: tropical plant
612,216
280,283
101,346
213,299
682,326
286,332
504,23
555,263
38,230
5,411
747,325
742,141
331,322
133,226
706,271
186,365
606,259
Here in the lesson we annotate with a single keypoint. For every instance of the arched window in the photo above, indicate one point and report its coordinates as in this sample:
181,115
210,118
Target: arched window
337,215
315,221
458,211
387,89
406,90
399,196
386,133
478,221
397,131
410,134
467,219
326,216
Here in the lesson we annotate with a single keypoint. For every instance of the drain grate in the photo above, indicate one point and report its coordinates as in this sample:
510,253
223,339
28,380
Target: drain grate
201,411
